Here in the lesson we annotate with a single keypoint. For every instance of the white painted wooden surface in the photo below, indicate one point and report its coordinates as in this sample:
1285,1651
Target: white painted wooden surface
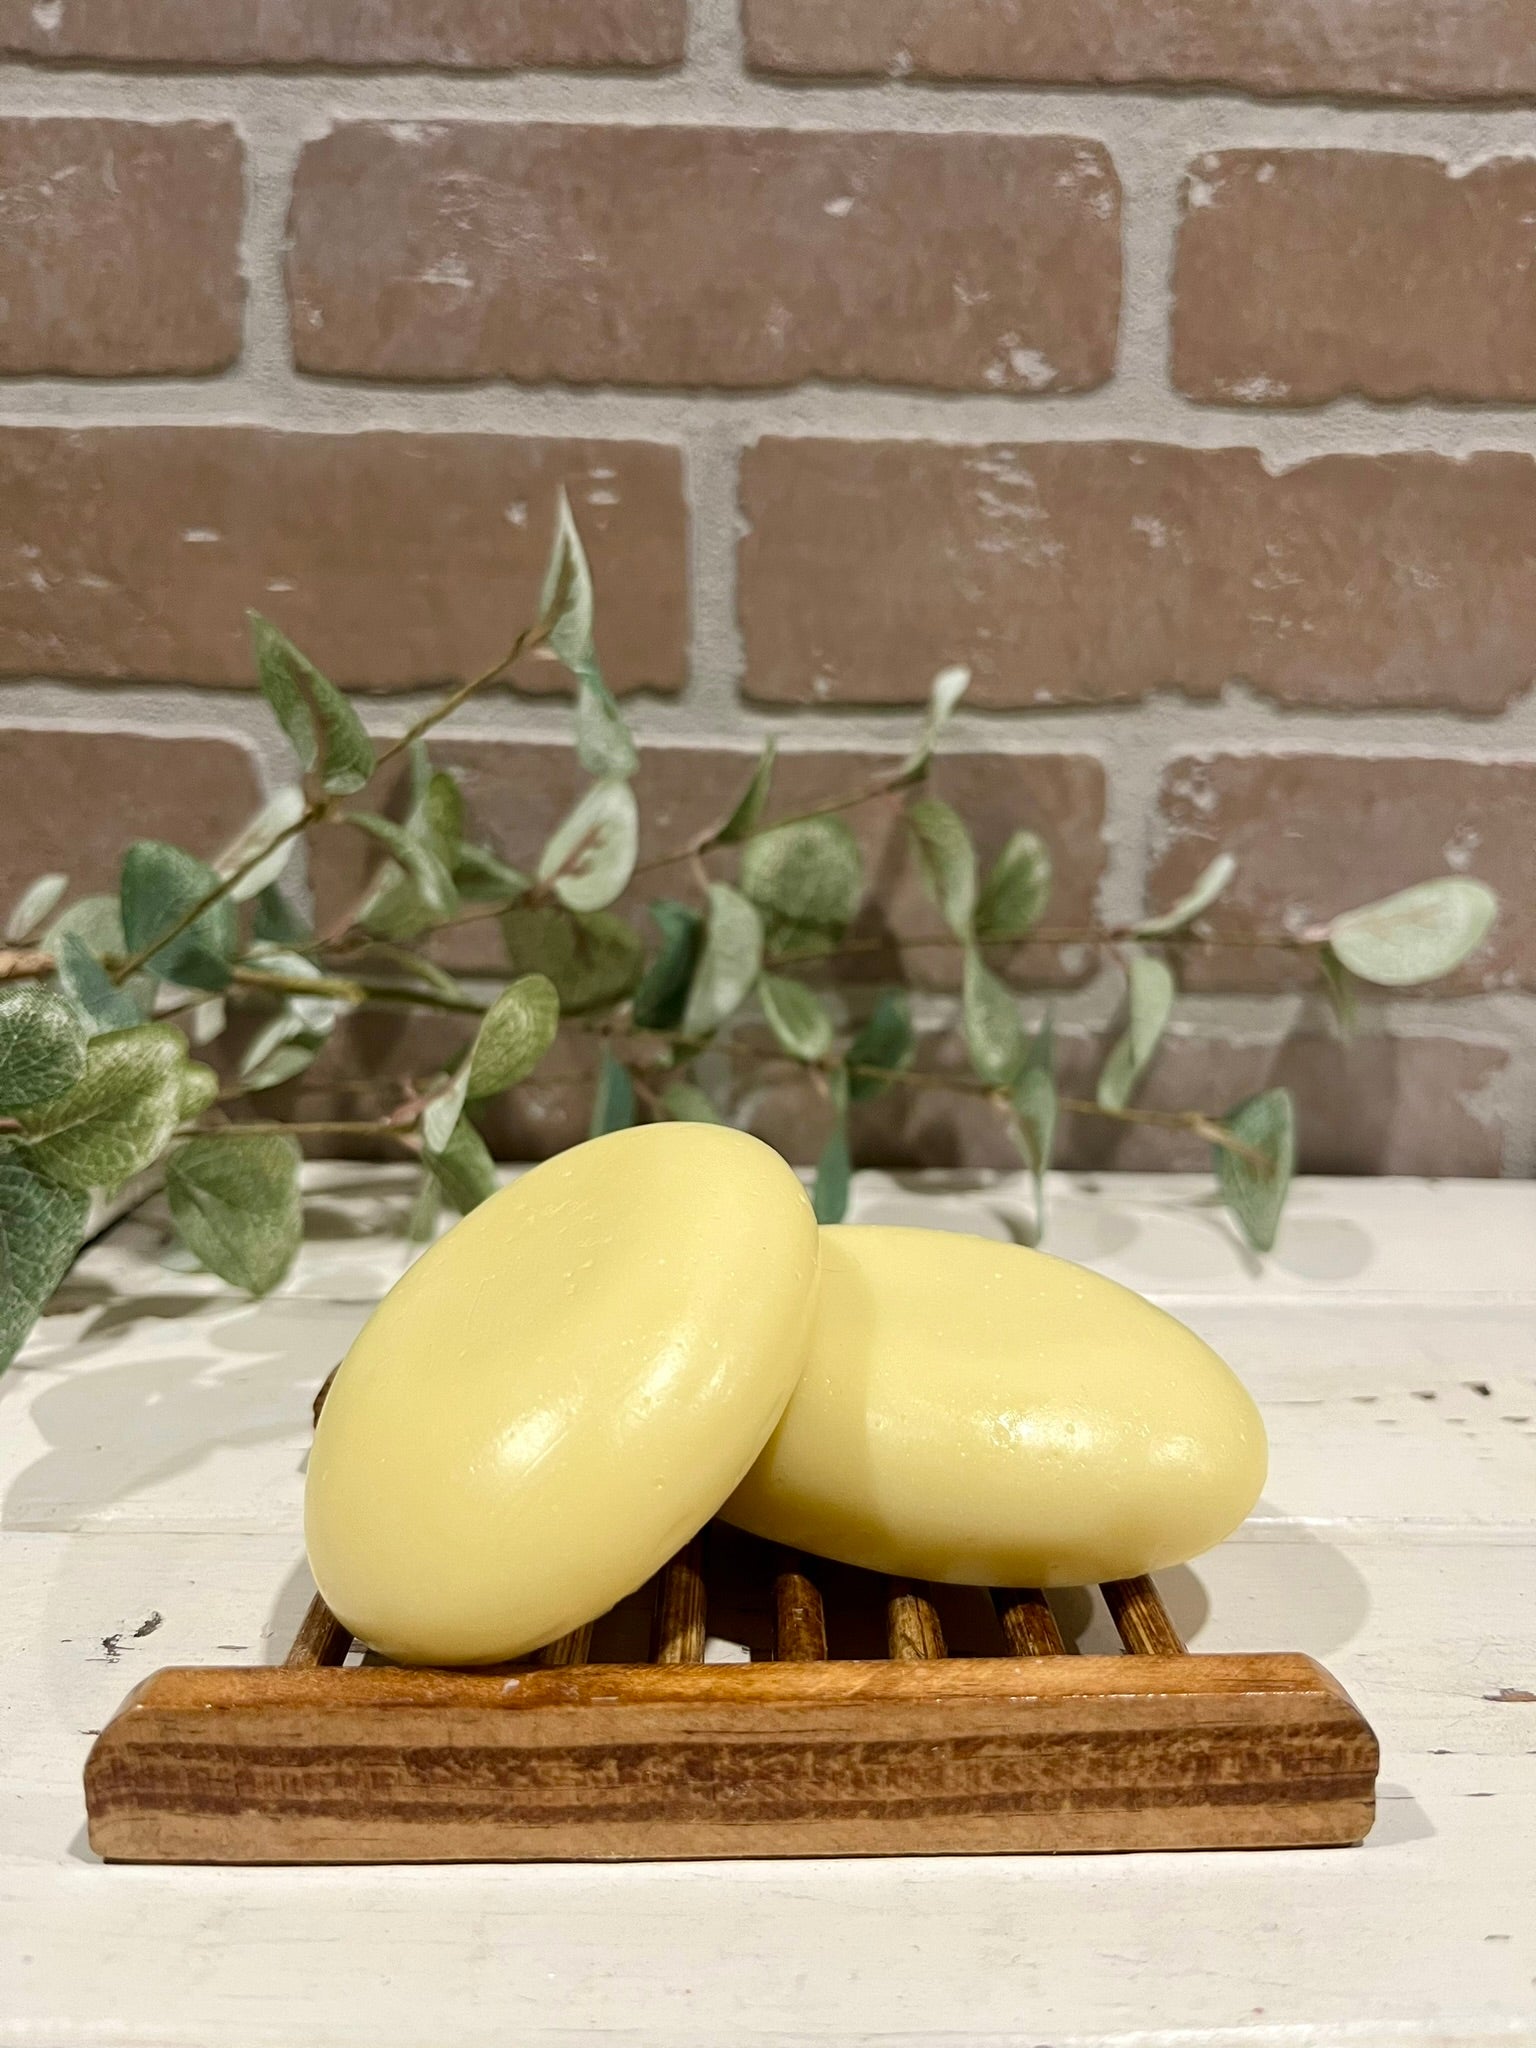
151,1448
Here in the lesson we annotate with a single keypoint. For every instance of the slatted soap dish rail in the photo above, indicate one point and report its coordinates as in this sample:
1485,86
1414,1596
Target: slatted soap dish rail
322,1760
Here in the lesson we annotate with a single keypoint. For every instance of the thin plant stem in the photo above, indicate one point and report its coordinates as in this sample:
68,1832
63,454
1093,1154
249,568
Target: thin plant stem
1046,935
526,641
267,1126
708,841
347,990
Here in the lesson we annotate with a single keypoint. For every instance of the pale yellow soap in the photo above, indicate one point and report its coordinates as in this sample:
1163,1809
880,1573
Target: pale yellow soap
560,1393
980,1414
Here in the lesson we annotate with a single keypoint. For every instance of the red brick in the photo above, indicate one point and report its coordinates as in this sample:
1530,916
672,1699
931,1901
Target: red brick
518,793
1391,49
120,255
1316,834
1094,572
1305,275
74,801
394,560
469,35
705,256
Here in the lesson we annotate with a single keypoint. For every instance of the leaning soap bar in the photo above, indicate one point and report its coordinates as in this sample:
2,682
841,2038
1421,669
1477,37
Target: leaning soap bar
984,1415
560,1393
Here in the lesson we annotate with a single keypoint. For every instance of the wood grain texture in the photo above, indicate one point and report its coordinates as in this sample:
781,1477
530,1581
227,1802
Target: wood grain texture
575,1648
321,1638
681,1604
1144,1624
912,1627
799,1621
600,1762
1028,1623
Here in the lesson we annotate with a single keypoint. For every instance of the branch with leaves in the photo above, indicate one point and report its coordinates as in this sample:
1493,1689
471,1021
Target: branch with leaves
104,1000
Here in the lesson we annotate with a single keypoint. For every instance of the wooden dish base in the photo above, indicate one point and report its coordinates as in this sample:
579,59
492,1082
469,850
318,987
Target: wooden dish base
559,1758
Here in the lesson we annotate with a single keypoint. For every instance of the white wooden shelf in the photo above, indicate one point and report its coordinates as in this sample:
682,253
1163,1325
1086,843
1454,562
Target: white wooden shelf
151,1449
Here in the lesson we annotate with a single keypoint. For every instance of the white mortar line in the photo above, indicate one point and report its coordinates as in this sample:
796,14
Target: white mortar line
1152,137
1159,729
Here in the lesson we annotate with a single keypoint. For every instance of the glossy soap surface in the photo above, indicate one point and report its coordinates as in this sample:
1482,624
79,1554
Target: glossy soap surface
560,1393
980,1414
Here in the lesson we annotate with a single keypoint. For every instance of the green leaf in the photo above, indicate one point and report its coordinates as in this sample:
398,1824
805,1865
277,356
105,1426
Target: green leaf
437,816
118,1117
1256,1193
421,1224
235,1202
408,896
1417,935
947,859
440,1117
613,1105
519,1029
593,961
208,1021
421,862
276,922
591,856
279,814
566,601
96,999
32,906
796,1016
687,1104
1340,990
323,729
603,743
199,1090
464,1170
743,820
160,884
42,1047
729,962
1199,897
1035,1111
96,921
482,876
281,1057
1150,989
1017,890
41,1228
884,1041
948,687
834,1174
277,669
401,905
419,772
805,878
663,993
96,927
994,1030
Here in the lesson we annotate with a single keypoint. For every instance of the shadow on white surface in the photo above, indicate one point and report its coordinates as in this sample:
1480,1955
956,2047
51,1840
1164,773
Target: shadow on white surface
1399,1819
287,1610
240,1376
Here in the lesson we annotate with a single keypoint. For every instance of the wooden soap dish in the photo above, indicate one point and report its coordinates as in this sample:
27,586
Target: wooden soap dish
916,1754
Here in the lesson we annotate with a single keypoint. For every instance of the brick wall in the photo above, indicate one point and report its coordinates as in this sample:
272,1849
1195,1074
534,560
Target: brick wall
1173,365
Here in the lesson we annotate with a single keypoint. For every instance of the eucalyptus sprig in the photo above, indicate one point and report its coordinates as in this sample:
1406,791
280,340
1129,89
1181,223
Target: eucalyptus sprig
105,998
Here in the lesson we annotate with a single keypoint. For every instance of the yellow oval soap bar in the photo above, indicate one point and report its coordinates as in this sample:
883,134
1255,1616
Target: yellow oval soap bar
560,1393
979,1414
